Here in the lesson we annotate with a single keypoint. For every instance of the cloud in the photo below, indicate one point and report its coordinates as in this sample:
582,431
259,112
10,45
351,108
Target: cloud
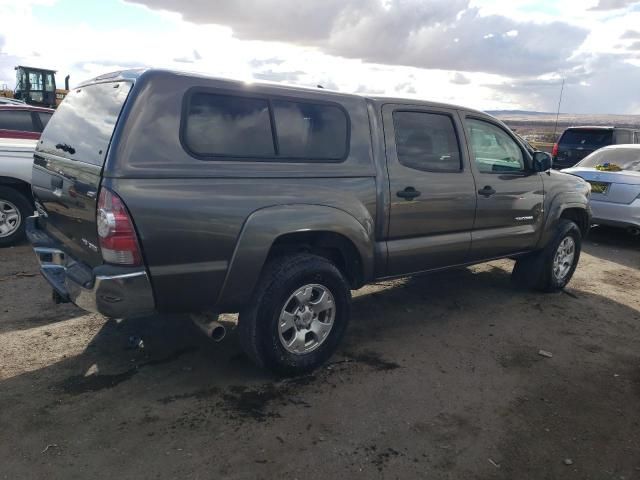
365,90
7,64
261,62
275,76
194,57
604,84
405,87
635,46
630,35
613,4
436,34
459,79
489,54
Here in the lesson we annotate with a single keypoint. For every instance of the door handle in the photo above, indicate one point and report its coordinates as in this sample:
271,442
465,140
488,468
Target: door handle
408,193
487,191
56,182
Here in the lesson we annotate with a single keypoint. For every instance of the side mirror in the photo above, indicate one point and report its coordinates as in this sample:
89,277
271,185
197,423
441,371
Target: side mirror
542,161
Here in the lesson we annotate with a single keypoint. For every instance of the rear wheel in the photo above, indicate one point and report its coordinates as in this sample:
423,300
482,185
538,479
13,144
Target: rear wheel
14,210
551,269
299,314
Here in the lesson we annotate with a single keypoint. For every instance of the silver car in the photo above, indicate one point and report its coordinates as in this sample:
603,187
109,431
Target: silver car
614,175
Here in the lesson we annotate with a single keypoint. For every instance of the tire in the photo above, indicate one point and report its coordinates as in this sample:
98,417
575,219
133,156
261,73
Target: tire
278,294
539,271
13,203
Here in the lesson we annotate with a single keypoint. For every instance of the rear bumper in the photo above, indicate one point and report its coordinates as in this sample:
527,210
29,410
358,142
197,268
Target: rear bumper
616,214
119,292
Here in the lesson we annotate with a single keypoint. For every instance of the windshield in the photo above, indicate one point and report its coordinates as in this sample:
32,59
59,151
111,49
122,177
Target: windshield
624,158
588,138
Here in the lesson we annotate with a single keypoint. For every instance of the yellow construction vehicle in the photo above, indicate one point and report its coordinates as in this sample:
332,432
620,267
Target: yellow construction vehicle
36,86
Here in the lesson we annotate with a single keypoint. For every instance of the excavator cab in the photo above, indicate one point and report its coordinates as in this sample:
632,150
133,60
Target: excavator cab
36,86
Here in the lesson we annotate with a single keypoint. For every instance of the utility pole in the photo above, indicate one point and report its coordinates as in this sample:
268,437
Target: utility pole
555,128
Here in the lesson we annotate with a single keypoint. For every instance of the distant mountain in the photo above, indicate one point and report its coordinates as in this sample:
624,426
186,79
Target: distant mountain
540,125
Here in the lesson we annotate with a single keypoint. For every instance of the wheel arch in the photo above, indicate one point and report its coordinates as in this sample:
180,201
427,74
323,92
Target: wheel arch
577,212
275,231
580,216
19,185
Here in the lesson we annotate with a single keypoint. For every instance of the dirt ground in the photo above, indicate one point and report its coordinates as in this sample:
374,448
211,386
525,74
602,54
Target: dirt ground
439,377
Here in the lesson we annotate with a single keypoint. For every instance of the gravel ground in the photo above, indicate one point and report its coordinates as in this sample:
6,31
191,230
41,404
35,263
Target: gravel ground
438,377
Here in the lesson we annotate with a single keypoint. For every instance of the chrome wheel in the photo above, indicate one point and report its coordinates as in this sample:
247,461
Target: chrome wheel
306,319
10,218
563,260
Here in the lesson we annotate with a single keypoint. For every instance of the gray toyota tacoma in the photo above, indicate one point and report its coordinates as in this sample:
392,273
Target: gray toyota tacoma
159,191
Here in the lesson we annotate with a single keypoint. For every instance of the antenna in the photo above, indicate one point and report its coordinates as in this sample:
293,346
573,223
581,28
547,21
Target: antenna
555,128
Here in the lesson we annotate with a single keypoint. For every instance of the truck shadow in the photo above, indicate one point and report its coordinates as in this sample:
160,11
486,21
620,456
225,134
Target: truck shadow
177,358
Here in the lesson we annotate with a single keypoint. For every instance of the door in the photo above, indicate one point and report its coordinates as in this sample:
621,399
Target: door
432,191
510,194
49,90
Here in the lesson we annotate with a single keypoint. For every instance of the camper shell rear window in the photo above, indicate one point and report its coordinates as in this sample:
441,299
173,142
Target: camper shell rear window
82,126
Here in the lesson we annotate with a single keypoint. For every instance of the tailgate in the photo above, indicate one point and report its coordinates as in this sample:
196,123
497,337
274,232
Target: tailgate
67,166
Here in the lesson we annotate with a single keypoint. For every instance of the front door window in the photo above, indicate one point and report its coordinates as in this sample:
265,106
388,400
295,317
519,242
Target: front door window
494,151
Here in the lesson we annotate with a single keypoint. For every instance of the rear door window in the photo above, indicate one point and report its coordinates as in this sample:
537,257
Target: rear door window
17,120
84,122
307,130
587,138
426,141
228,126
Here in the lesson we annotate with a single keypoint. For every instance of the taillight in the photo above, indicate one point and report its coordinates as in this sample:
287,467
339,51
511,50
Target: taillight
118,240
554,152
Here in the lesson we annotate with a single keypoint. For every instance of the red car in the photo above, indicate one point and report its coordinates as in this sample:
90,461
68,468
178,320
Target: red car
23,121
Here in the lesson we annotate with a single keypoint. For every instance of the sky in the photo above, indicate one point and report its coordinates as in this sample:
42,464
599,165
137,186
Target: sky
484,54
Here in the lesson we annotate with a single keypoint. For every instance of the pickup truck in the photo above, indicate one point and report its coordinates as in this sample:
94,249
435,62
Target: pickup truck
16,202
160,191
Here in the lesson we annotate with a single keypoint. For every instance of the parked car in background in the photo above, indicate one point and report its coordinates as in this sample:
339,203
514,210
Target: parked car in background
614,175
23,121
171,192
576,143
16,202
11,101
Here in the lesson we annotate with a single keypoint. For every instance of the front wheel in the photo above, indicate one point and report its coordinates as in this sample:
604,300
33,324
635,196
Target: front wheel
551,269
298,316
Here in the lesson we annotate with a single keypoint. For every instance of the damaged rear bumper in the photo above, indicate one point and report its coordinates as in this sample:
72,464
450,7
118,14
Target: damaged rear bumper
119,292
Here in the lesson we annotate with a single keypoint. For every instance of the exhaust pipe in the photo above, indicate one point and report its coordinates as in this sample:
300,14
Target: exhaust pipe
634,231
210,326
